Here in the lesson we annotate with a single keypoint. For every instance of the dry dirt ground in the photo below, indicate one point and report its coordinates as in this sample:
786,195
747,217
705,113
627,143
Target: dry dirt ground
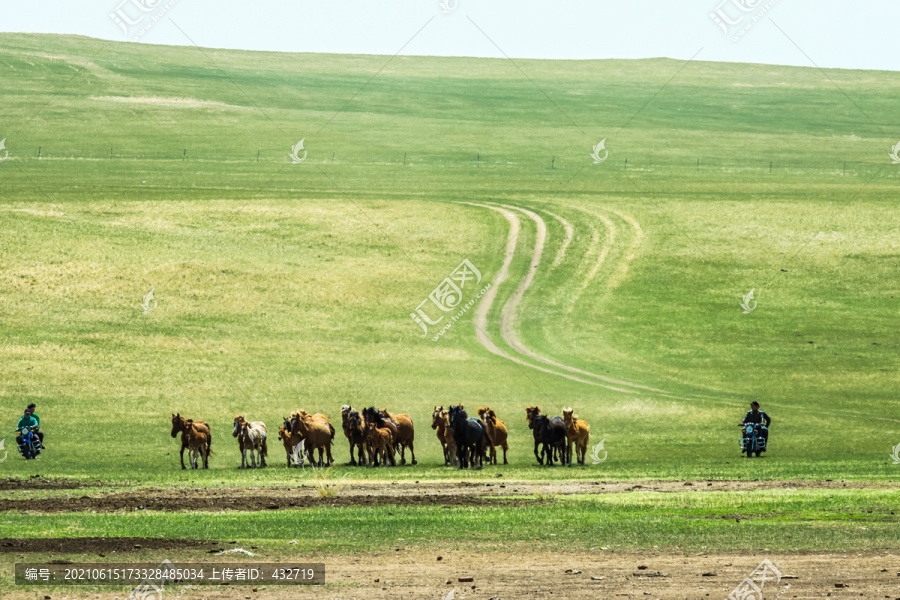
363,493
504,573
577,576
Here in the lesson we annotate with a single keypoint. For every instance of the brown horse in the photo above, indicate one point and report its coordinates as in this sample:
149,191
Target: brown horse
290,442
379,442
578,433
440,422
179,424
406,435
496,433
316,431
355,430
198,443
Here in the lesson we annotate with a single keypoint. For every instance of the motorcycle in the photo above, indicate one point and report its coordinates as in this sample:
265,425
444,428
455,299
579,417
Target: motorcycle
30,445
752,439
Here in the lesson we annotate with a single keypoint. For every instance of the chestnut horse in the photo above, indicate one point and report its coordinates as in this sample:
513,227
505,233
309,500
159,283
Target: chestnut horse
440,422
293,444
406,435
179,424
317,433
379,442
496,433
198,443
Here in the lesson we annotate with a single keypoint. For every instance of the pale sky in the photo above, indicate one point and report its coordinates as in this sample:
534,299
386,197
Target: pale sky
861,35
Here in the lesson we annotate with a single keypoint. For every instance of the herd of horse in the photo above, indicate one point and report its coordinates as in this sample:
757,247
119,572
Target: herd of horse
376,437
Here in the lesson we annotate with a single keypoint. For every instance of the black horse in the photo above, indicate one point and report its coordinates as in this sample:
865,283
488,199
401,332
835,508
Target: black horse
469,437
551,432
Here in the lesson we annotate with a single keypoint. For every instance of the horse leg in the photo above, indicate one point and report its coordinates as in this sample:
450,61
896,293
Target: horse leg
412,453
539,457
352,458
206,458
505,448
391,455
243,457
183,447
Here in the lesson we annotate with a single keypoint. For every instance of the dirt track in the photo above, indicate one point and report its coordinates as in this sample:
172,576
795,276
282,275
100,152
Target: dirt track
577,576
365,494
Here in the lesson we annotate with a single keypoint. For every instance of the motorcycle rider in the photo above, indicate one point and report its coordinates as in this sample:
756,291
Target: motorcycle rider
35,416
26,420
754,415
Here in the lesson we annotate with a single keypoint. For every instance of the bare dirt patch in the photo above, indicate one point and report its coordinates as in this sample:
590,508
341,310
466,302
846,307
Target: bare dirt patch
36,482
512,573
94,545
368,494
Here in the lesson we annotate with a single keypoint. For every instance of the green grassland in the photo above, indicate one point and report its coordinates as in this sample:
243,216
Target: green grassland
780,520
283,286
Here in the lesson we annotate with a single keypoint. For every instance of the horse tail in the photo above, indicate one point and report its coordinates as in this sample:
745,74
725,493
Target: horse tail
331,427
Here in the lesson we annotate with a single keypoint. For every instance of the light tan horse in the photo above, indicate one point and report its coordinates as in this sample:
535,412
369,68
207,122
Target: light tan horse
198,443
251,438
578,433
179,424
496,433
316,431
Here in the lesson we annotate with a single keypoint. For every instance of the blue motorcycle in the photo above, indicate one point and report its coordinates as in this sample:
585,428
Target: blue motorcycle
30,444
752,439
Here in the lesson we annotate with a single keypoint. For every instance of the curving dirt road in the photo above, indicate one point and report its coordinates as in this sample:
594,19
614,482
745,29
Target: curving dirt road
509,312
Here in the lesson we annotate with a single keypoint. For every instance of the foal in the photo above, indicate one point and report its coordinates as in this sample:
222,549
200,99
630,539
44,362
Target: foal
179,424
198,443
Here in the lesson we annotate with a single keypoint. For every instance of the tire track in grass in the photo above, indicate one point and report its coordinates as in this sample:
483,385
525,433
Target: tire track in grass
570,233
487,301
605,248
508,315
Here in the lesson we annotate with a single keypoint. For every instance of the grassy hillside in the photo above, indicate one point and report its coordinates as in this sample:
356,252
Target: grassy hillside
282,286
